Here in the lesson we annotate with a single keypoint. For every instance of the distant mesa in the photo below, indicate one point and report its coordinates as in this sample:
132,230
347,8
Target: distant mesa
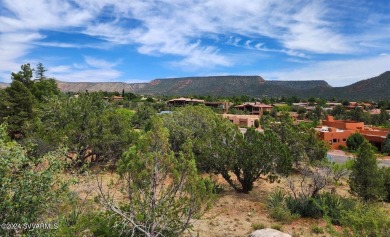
3,85
375,88
99,86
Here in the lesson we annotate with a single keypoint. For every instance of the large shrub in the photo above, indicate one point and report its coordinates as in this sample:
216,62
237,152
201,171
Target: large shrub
30,188
326,204
164,192
220,147
365,180
276,205
304,206
365,220
354,141
333,206
386,181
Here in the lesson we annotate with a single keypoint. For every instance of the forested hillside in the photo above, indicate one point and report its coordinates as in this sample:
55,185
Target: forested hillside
375,88
98,86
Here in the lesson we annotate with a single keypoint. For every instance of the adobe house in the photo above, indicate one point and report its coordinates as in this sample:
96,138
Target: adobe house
242,120
354,105
342,124
336,132
224,105
376,136
333,104
335,137
184,101
113,98
255,108
116,98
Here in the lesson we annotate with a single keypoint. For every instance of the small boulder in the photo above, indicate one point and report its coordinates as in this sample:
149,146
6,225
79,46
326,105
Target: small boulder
268,232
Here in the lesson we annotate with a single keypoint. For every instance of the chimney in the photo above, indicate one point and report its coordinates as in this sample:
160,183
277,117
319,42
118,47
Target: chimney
329,118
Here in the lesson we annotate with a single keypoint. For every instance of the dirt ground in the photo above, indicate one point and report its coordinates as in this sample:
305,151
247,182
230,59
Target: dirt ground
232,214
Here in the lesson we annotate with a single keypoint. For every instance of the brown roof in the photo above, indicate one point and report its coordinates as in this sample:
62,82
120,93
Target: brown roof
187,99
254,104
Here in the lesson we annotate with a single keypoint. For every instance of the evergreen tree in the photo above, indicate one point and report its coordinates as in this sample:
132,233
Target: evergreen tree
220,148
44,88
257,123
354,141
357,114
383,117
17,107
40,71
163,192
24,76
365,180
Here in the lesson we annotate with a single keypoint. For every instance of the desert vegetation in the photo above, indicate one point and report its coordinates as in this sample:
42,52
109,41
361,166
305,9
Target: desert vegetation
169,173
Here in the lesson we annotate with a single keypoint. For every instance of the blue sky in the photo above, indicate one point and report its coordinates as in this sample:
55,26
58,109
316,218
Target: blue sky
340,41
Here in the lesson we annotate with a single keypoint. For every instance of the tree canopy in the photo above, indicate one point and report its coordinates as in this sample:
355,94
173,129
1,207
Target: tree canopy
365,180
163,191
355,141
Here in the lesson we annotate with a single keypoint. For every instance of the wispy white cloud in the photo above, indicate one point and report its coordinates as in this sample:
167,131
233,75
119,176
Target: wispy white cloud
13,47
55,14
174,27
253,45
91,70
203,58
184,28
72,45
99,63
60,69
89,75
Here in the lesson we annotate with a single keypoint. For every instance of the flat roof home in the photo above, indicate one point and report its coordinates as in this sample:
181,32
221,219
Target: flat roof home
254,108
333,104
242,120
224,105
336,132
116,98
113,98
184,101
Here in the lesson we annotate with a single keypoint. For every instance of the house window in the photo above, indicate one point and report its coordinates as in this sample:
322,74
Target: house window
330,141
344,139
334,140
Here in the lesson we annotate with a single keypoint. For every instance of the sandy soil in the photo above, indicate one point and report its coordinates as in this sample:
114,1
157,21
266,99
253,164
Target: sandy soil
233,214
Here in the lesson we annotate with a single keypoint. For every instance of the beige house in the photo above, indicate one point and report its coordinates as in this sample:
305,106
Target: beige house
184,101
223,105
242,120
254,108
